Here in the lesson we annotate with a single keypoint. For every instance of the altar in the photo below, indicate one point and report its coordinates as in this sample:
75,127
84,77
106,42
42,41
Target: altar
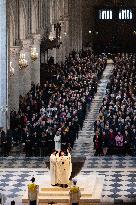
91,187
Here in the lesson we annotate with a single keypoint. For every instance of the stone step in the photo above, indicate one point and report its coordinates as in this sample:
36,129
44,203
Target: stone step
90,186
65,199
55,193
54,189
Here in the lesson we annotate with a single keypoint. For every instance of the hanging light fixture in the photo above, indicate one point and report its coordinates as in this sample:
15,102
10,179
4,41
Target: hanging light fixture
34,54
11,70
22,61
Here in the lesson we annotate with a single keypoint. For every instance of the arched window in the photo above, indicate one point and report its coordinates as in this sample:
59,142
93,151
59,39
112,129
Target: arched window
105,14
125,14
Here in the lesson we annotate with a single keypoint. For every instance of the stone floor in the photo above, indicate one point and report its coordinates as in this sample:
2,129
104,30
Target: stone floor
120,172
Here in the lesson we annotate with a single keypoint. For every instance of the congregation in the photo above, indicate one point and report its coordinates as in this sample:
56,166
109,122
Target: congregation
58,107
115,127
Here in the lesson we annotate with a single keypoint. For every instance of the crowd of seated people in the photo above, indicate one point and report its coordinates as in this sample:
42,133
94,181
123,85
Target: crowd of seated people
115,128
57,106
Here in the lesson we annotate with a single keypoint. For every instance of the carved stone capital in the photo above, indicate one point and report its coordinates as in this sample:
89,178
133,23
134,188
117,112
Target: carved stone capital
14,51
36,38
27,43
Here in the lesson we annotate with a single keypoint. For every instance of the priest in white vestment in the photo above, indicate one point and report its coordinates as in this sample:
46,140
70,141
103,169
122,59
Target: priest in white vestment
64,169
60,168
53,168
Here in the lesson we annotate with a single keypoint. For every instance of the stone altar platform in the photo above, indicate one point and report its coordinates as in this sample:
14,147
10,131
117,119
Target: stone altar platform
91,187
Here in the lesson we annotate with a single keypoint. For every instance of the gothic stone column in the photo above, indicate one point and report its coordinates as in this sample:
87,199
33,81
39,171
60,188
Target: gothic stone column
3,65
79,23
35,71
66,35
60,52
14,80
25,74
75,24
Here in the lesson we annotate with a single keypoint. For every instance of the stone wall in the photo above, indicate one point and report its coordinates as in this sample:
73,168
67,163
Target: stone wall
3,65
88,15
88,19
29,21
75,24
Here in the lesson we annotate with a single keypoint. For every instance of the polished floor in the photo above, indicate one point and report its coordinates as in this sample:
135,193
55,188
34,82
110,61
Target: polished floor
120,172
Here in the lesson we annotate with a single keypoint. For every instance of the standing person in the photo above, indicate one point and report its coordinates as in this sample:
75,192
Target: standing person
64,169
74,194
69,148
119,140
3,142
105,143
97,143
33,192
53,168
57,140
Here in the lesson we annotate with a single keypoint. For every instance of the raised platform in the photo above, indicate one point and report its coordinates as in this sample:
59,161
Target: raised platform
91,187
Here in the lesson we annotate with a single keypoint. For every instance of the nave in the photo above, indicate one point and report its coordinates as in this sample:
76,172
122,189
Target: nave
47,41
120,175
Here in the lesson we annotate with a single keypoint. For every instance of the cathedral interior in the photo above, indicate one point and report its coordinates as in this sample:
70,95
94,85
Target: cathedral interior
68,82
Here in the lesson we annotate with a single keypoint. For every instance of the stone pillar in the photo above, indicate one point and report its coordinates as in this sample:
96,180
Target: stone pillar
78,19
35,71
3,65
75,27
66,32
25,74
60,52
14,80
71,22
63,40
66,35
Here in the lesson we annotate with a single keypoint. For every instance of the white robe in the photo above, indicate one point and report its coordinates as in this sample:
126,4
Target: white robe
64,169
53,169
57,140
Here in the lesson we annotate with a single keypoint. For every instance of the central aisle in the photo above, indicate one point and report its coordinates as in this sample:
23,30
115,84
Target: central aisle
84,144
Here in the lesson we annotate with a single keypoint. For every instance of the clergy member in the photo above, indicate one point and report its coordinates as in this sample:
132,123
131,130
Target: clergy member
32,192
57,140
74,194
53,169
64,169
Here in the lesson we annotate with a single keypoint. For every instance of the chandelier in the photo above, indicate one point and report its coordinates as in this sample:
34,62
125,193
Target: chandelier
11,70
22,61
34,54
